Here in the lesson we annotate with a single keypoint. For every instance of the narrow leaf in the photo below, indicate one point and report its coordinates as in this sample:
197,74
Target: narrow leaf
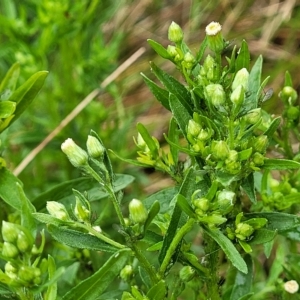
154,210
92,287
229,249
7,108
184,205
288,79
201,49
248,186
159,49
147,138
280,164
273,127
158,291
243,58
9,82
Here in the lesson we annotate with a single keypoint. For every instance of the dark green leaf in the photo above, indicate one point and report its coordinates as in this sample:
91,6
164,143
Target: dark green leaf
243,282
78,239
248,187
9,82
280,164
154,210
229,249
158,291
159,49
262,236
173,136
95,285
273,127
160,94
7,108
185,206
243,58
277,221
174,87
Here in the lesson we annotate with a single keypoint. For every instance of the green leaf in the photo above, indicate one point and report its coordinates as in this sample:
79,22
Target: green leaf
185,206
262,236
229,249
48,219
95,285
154,210
173,136
174,87
243,282
288,79
181,114
25,94
245,154
52,288
160,94
201,51
9,82
7,108
254,84
159,49
273,127
9,191
248,186
277,221
280,164
243,58
158,291
147,138
78,239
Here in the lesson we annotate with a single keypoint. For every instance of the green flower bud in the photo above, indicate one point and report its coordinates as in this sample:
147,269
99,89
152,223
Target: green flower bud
175,33
215,94
193,128
10,270
94,147
187,273
126,272
23,243
57,210
212,220
28,274
288,95
241,78
260,143
214,37
9,250
137,211
258,159
220,150
243,231
237,96
226,201
202,204
233,155
172,51
233,167
204,135
189,58
81,212
293,113
253,116
209,63
9,232
77,156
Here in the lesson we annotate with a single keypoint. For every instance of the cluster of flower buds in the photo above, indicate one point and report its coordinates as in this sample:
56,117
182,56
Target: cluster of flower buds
17,247
242,231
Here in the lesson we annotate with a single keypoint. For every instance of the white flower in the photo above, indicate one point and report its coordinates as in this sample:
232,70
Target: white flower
77,156
291,286
213,28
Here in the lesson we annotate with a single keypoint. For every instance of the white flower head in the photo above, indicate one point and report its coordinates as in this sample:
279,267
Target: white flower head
291,286
213,28
76,155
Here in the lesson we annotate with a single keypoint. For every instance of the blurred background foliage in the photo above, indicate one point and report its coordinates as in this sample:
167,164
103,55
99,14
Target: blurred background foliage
82,42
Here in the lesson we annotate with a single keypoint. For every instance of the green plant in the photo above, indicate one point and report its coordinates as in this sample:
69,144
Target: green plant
226,211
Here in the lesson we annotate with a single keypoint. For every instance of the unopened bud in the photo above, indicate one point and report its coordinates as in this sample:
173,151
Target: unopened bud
81,212
260,143
137,211
175,33
241,78
187,273
9,250
193,128
202,204
220,150
23,243
253,116
293,113
226,199
215,94
188,60
9,232
214,37
209,63
94,147
258,159
126,272
288,95
243,231
57,210
237,96
77,156
10,270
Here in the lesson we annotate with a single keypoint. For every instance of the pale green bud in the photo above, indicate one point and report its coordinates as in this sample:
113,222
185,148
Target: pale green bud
10,270
94,147
9,232
175,33
202,204
77,156
172,51
233,155
9,250
293,113
215,94
209,63
23,243
237,96
28,274
243,231
288,95
226,201
137,211
204,135
260,144
57,210
214,37
193,128
141,143
81,212
220,150
187,273
126,272
188,60
253,116
258,159
241,78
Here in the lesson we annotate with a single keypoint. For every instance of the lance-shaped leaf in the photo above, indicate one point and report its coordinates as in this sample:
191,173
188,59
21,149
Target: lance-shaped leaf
92,287
273,127
9,82
248,187
159,49
243,58
7,108
280,164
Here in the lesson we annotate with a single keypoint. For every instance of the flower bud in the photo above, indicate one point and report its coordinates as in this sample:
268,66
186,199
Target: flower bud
9,232
81,212
10,270
202,204
204,135
9,250
237,96
77,156
172,51
220,150
175,33
293,113
28,274
288,95
214,37
23,243
94,147
233,155
209,63
258,159
241,78
188,60
260,143
253,116
215,94
137,211
57,210
141,143
291,286
226,200
187,273
126,272
193,128
243,231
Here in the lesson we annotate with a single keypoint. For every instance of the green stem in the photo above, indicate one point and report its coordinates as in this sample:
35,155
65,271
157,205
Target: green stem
286,143
231,133
178,237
